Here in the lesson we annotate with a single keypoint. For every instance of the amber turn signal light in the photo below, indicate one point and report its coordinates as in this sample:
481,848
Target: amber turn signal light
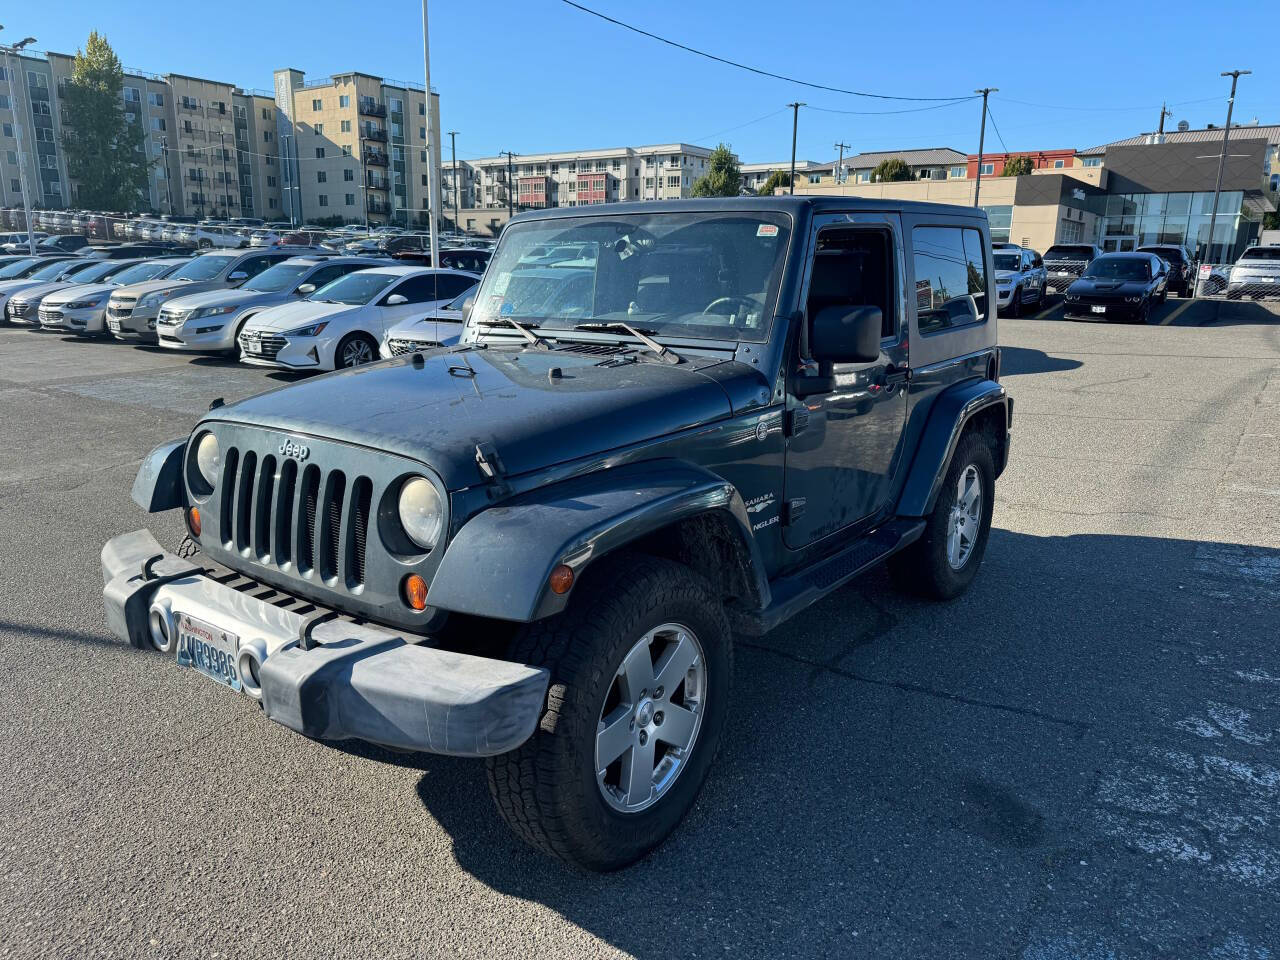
193,520
561,579
415,592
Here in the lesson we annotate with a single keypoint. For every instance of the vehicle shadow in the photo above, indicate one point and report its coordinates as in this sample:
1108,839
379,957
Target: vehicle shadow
877,740
1233,313
1019,360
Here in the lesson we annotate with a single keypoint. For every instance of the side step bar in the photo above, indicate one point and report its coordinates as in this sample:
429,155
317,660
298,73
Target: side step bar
795,592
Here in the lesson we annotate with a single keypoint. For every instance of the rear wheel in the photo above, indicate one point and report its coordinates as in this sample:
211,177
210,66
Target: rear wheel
944,561
354,350
640,677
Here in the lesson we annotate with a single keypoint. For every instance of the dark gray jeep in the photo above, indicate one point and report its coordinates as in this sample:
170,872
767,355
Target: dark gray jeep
665,423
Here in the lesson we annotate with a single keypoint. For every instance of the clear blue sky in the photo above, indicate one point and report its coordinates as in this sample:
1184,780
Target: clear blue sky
537,75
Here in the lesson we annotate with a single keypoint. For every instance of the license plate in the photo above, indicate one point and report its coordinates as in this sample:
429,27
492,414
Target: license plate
1267,279
1098,309
252,346
1063,273
209,649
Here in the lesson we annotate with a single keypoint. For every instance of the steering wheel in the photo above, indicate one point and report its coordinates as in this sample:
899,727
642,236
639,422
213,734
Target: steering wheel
720,301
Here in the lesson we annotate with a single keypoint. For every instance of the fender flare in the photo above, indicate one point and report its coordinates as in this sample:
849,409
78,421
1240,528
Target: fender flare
951,411
497,566
158,485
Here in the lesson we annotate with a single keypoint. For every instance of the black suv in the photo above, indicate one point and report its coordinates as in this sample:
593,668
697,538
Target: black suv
536,546
1065,262
1181,267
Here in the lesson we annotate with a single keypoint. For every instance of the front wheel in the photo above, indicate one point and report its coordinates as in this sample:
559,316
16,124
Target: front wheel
944,561
640,677
1015,303
354,350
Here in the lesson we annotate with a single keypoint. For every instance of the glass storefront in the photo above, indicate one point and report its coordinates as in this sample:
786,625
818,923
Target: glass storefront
1134,219
1001,219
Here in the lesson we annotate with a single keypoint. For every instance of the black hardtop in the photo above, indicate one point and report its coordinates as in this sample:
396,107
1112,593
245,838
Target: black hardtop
798,207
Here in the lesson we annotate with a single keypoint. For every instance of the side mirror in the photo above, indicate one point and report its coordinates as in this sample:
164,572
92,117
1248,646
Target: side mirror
238,275
306,290
467,306
843,334
396,300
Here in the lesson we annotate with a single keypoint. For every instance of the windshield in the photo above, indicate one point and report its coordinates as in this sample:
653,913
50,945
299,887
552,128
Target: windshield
99,271
20,268
1069,253
1008,261
355,288
203,268
701,275
51,271
142,271
1262,253
1172,254
282,276
1119,268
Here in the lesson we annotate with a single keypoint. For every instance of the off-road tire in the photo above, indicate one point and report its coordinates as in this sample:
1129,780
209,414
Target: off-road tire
922,568
546,789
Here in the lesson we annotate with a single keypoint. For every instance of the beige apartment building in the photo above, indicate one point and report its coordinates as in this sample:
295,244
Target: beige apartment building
356,147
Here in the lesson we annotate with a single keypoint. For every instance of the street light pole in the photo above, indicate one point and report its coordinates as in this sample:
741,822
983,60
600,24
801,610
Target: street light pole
795,123
1235,76
226,184
17,133
457,204
433,166
168,180
982,139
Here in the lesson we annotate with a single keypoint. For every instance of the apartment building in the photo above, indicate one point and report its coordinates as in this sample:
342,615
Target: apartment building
31,111
356,146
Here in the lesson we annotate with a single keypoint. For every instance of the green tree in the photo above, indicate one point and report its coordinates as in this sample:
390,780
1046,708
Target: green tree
1017,167
779,178
890,170
724,179
104,150
1271,221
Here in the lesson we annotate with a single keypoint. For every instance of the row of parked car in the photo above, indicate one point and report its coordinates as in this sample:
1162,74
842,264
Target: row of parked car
295,309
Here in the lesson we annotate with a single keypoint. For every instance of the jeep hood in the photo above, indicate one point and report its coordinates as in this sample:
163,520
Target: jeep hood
438,412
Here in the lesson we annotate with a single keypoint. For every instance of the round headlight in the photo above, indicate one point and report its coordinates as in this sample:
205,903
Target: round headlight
208,458
421,512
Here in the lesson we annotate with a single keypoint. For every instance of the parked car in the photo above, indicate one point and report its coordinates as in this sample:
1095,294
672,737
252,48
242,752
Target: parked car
456,259
265,238
134,250
440,327
210,322
82,309
1119,286
1020,279
62,243
16,243
302,238
1064,263
1256,274
24,306
1181,268
48,270
132,310
611,494
342,324
206,237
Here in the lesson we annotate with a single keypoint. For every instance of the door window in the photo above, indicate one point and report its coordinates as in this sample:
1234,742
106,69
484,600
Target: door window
853,268
332,272
951,277
449,285
416,289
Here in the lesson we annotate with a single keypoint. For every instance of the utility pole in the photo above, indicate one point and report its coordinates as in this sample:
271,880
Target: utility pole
168,180
842,147
226,183
433,147
510,181
1235,75
982,139
17,133
1164,112
795,123
286,172
364,172
457,203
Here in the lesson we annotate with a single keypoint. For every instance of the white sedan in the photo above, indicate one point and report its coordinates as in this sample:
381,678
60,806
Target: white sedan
441,327
343,323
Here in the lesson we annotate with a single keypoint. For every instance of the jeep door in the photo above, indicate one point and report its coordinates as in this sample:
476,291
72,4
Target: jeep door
844,440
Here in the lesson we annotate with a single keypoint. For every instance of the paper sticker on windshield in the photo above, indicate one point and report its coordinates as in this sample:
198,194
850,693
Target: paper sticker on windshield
767,230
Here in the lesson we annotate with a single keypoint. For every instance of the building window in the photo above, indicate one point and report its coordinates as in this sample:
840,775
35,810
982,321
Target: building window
323,199
321,176
1059,164
925,174
266,136
271,181
266,113
344,100
1000,219
319,153
422,133
958,173
351,199
7,129
348,175
346,149
346,126
271,203
317,105
132,95
319,129
37,81
1093,161
987,169
950,269
157,123
422,109
130,116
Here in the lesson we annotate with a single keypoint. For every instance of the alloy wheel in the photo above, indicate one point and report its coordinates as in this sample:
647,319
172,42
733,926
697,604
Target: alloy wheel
965,519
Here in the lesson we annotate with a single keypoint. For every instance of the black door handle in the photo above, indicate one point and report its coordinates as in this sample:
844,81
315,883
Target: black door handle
894,374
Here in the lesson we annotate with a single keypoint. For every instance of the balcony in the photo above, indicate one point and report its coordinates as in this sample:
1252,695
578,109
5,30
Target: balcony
379,183
376,158
379,206
374,133
372,108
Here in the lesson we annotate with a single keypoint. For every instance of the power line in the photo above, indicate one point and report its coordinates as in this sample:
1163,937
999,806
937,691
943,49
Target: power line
712,136
992,117
1055,106
741,66
882,113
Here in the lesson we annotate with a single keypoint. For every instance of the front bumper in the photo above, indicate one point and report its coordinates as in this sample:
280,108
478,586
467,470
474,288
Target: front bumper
355,682
288,353
182,336
132,324
87,321
1081,310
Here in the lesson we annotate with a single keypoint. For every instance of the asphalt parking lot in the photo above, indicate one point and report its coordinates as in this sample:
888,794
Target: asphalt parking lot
1080,758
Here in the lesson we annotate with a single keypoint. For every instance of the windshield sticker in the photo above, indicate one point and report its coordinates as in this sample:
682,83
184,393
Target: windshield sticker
767,230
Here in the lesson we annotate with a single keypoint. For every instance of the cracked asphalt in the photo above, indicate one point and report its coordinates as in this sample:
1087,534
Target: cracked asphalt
1078,759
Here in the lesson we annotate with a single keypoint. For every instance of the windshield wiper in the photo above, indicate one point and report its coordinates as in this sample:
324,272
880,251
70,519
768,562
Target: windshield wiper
526,330
665,353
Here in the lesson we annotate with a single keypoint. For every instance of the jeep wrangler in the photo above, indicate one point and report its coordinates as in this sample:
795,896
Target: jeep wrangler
664,423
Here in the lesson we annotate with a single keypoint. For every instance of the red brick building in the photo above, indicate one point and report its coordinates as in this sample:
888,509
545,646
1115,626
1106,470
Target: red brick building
993,163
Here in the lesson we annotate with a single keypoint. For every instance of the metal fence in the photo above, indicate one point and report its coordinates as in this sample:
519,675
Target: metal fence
1060,274
1246,280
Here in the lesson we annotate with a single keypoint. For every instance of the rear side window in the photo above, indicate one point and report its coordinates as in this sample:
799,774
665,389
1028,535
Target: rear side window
951,277
1069,253
1262,253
